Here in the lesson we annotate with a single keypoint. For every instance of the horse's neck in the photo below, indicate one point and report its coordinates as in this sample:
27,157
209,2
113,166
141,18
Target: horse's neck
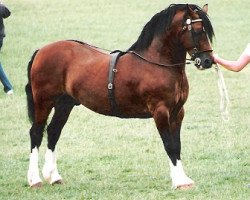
165,51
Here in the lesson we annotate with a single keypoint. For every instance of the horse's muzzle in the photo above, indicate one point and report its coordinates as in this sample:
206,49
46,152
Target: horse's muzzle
203,62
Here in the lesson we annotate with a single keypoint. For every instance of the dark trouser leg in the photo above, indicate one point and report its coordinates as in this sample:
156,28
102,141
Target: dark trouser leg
1,43
3,78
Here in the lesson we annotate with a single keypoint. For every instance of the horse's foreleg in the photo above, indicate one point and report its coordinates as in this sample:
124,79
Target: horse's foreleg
169,129
62,110
36,135
173,147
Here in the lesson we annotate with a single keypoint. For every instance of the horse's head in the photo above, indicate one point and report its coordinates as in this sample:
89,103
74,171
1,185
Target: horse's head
195,35
176,30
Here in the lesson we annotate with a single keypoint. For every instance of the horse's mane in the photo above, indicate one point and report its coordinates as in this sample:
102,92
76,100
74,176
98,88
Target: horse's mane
161,22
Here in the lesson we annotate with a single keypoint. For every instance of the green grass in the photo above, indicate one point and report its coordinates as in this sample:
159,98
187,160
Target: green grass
109,158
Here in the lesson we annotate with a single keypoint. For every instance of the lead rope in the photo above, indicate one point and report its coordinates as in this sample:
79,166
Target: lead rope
224,99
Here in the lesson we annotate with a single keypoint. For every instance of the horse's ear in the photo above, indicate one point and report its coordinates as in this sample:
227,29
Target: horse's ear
205,8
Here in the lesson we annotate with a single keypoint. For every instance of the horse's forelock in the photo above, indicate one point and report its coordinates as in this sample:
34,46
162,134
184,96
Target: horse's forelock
205,19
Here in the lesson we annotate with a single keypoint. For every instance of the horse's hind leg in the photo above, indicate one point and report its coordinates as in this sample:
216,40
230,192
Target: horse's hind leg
63,108
36,135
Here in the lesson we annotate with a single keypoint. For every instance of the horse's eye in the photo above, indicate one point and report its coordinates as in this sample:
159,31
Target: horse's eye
198,32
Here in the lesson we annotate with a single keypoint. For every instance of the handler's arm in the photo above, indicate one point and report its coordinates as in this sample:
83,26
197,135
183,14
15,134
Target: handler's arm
237,65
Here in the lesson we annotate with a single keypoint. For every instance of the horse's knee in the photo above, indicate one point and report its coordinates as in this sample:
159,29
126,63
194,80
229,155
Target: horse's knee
161,117
169,130
168,119
161,111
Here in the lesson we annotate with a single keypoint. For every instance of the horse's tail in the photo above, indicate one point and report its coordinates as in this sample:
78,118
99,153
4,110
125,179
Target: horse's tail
28,90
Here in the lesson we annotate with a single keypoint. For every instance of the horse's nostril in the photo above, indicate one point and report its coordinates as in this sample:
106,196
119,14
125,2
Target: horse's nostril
207,63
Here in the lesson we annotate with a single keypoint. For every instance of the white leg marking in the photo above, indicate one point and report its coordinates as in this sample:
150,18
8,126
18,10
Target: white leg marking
179,178
50,172
33,172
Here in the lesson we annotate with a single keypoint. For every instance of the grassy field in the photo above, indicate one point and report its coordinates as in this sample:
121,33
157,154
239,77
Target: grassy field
109,158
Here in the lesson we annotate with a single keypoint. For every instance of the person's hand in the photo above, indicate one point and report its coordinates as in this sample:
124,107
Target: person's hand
215,57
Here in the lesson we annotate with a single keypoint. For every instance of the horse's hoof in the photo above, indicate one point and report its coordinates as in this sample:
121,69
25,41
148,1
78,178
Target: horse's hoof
185,186
37,185
58,182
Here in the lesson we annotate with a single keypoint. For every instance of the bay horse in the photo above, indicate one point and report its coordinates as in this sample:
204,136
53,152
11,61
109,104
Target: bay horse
148,80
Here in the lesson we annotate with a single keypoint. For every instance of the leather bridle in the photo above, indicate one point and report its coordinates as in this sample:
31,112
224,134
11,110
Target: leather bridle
195,50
